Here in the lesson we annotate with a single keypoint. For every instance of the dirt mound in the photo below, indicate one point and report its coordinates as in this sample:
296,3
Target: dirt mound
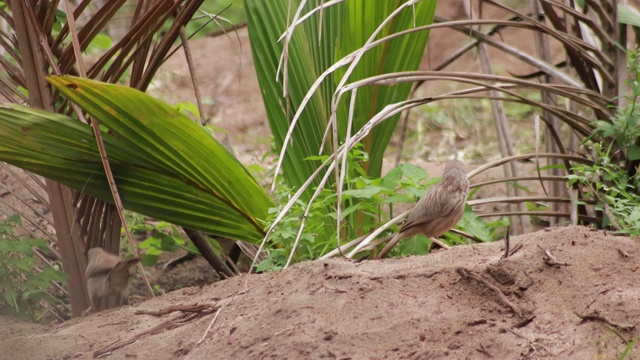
416,308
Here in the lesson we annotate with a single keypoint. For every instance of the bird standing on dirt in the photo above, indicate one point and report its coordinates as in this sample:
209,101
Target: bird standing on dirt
107,274
439,210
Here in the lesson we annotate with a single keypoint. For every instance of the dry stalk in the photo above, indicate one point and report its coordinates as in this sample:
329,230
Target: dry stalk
467,274
103,152
551,260
502,128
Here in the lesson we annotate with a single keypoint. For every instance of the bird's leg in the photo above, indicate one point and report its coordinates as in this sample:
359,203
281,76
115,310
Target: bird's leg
393,242
439,243
87,311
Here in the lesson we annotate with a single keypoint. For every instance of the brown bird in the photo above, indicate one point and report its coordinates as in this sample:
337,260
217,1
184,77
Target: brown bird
439,210
107,274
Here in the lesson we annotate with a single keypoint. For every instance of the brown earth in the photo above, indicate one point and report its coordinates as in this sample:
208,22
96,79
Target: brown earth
412,308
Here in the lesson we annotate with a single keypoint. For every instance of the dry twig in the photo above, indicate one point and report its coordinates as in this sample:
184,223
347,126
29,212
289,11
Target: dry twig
551,260
188,314
531,344
193,308
206,332
484,351
516,248
612,219
439,242
598,294
596,316
168,324
223,304
507,245
466,274
623,253
115,193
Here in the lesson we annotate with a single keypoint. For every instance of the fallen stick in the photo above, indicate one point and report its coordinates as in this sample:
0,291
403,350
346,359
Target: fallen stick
183,308
172,323
596,316
188,314
551,260
507,245
467,274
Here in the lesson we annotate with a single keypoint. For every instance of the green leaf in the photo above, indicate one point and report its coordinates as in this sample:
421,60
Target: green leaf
61,16
52,274
413,172
29,294
11,298
400,198
13,219
415,245
316,44
605,128
187,106
392,179
516,185
628,15
165,165
264,265
102,41
471,223
416,193
633,152
148,260
365,193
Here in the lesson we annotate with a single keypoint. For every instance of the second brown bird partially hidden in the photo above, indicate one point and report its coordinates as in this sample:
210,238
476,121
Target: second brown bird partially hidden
107,274
439,210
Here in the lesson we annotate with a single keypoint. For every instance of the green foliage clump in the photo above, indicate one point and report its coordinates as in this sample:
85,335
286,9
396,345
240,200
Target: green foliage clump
22,286
164,237
367,203
624,128
607,179
614,189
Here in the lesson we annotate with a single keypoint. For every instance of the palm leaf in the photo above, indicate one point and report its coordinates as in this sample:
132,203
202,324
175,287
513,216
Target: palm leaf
298,89
165,165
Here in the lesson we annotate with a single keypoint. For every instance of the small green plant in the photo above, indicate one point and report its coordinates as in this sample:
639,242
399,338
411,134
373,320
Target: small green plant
628,349
613,188
624,127
606,180
22,285
158,236
188,108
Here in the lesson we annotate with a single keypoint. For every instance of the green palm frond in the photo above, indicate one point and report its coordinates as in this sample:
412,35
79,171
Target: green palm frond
165,165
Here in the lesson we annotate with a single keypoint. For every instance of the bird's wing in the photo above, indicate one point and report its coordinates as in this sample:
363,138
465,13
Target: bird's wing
96,271
98,268
434,205
100,262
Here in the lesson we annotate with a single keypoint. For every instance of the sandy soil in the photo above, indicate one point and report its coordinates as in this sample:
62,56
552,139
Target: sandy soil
411,308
